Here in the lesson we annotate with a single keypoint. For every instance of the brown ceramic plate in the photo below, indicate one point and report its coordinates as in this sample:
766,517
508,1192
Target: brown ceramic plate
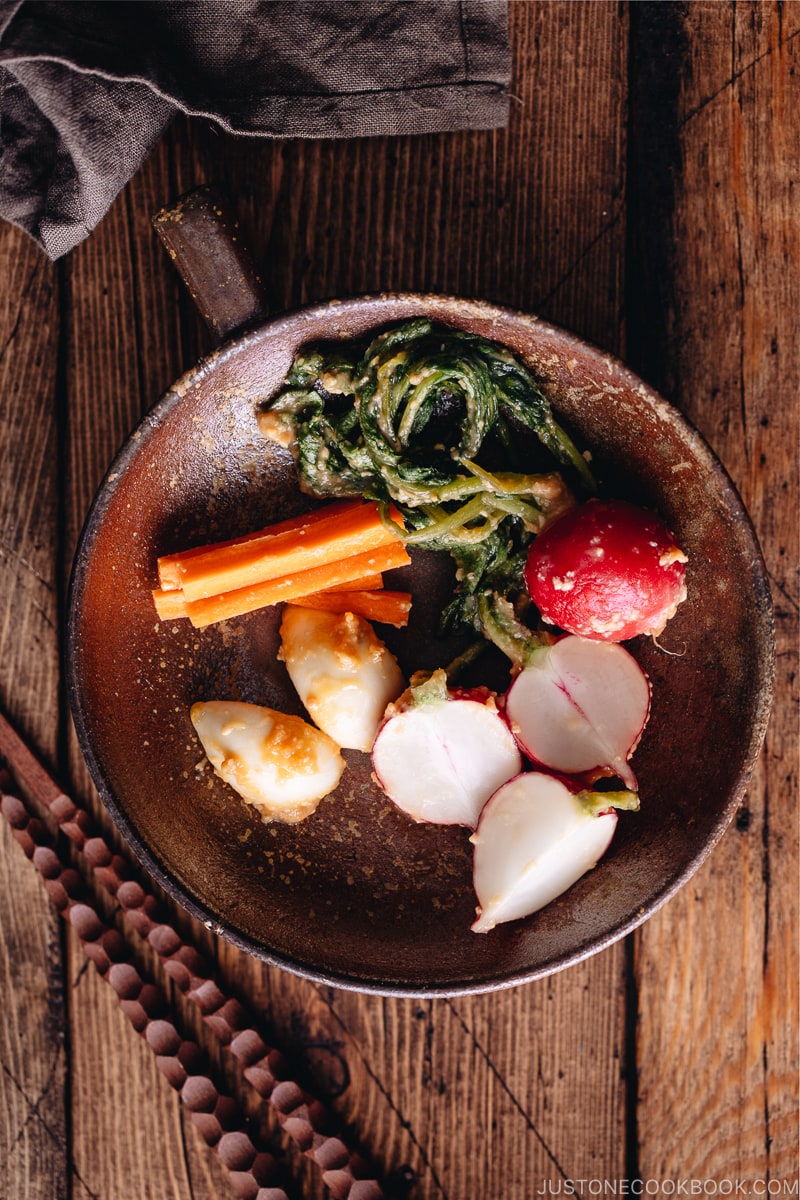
358,895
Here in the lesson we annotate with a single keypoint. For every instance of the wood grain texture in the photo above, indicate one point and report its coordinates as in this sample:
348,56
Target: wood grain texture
717,970
678,249
107,342
33,1142
34,1153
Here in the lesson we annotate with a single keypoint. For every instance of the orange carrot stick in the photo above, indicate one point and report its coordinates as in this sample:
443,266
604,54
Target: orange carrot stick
169,564
389,608
367,583
170,604
209,609
342,535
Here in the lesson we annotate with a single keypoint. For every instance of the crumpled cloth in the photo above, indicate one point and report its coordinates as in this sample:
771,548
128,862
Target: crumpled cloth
86,89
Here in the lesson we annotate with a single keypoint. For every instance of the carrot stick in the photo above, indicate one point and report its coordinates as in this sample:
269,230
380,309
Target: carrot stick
367,583
172,604
389,608
342,535
169,564
169,604
209,609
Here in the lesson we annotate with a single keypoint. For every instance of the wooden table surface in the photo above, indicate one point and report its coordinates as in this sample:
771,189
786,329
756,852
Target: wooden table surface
641,196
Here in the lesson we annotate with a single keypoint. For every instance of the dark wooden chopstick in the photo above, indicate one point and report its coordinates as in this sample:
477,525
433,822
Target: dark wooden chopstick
216,1115
302,1117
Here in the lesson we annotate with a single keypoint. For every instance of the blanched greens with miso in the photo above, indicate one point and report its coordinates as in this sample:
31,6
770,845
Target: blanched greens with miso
429,419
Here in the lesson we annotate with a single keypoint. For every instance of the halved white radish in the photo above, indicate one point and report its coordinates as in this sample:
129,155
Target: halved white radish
534,840
278,763
440,755
580,705
343,673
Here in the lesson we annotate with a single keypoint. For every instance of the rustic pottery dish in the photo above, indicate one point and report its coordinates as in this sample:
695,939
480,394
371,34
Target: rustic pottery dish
358,895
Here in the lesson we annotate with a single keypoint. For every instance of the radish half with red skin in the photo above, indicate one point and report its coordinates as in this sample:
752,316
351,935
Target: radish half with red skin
440,754
606,570
535,839
580,706
575,705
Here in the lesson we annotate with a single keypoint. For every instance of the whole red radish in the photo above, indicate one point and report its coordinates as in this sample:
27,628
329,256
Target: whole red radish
607,570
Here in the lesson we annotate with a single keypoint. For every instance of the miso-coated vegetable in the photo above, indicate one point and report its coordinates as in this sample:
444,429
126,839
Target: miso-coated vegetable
430,418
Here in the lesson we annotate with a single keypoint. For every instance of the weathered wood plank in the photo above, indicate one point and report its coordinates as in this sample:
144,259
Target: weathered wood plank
524,216
127,1133
717,969
29,331
499,1089
34,1154
33,1142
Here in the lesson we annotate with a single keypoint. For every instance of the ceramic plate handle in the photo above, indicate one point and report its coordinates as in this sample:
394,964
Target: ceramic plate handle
202,238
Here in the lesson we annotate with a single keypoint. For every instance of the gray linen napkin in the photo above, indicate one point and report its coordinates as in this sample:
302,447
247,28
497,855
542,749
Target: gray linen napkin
86,89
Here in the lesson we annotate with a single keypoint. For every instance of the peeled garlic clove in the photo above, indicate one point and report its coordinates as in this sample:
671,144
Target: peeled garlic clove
342,672
277,762
534,840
